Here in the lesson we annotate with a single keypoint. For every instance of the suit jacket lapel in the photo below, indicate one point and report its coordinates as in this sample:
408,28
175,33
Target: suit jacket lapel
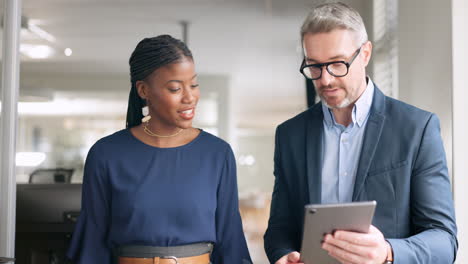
374,129
314,153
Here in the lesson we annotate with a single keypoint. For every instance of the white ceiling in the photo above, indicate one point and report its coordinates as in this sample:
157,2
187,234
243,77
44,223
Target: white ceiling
254,42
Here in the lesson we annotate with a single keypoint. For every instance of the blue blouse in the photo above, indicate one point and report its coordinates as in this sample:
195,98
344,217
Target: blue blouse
137,194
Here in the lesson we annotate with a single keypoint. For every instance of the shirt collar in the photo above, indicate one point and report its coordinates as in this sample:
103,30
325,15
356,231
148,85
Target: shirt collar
360,110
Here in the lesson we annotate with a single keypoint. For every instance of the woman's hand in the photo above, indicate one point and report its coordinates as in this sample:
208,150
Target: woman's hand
291,258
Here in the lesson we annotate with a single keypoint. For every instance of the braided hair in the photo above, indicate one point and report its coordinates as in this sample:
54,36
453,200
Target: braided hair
151,54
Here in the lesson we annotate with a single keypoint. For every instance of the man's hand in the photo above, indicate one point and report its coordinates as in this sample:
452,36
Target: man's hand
293,257
357,248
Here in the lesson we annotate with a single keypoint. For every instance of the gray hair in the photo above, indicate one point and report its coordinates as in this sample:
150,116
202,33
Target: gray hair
330,16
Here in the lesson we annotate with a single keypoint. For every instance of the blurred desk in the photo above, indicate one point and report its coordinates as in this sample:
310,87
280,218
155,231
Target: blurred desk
45,220
7,260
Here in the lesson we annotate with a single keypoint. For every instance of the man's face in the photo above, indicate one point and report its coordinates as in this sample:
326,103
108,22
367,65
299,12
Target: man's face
338,45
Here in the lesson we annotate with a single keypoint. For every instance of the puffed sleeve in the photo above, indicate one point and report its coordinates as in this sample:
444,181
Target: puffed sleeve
230,247
89,242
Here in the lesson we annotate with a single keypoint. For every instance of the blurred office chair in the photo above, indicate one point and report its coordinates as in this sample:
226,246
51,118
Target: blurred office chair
57,175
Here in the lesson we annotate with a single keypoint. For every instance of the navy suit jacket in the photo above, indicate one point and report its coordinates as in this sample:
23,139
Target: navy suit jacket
402,166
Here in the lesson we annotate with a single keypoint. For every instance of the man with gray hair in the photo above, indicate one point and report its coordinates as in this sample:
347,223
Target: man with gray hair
357,145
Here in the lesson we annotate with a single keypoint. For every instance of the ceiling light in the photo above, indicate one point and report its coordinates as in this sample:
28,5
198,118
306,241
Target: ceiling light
40,32
68,52
36,51
31,31
75,107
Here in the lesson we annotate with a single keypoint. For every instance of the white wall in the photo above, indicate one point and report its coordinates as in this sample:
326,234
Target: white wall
460,124
425,61
432,70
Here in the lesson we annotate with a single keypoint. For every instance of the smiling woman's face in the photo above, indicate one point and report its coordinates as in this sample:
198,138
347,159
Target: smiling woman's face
172,95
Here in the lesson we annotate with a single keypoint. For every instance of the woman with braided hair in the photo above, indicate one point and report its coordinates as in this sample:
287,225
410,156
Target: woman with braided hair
160,191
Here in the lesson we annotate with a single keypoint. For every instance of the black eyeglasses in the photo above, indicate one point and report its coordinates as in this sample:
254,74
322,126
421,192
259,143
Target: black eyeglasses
334,68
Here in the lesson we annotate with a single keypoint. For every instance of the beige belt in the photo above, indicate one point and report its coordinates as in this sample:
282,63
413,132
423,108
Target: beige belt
202,259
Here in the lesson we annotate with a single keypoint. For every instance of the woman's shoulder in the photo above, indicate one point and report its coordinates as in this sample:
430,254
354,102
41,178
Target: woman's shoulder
110,143
214,142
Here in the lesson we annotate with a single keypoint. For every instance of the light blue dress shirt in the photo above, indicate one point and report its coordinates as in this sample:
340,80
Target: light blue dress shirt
341,148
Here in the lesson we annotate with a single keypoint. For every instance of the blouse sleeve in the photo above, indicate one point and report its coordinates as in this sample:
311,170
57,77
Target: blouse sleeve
89,241
231,247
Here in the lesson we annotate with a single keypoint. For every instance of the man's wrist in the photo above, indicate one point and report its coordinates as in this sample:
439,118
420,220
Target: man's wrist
389,259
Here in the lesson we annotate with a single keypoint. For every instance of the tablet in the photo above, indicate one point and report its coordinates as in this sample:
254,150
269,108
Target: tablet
320,219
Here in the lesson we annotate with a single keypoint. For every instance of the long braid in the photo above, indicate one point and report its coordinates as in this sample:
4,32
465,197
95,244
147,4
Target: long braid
149,55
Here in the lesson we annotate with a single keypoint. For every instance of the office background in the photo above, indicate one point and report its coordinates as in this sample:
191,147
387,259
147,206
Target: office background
74,80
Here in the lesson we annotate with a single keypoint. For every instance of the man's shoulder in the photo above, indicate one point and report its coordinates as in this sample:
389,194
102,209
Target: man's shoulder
300,120
401,111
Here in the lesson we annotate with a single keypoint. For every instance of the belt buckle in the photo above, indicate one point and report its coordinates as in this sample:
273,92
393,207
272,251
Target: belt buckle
171,257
